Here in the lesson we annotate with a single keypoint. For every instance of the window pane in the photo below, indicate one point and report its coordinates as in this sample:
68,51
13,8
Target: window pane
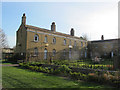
64,42
70,53
75,44
54,52
54,40
36,37
36,51
45,38
70,42
45,54
81,44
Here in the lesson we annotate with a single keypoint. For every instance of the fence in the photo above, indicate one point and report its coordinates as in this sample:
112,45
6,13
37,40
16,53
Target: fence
74,59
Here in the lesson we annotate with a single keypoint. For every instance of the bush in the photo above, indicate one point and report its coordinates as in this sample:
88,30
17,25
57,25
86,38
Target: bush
51,71
63,69
104,77
31,67
20,64
36,68
78,76
60,62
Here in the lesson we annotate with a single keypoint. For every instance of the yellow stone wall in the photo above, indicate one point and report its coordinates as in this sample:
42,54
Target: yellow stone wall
25,44
59,46
21,40
25,37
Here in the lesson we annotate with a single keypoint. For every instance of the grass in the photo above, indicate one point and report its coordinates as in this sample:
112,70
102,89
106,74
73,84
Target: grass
14,77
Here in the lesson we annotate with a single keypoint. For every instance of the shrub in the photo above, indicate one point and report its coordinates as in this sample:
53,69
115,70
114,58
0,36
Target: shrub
63,69
56,72
51,71
78,76
25,65
74,75
20,64
31,67
46,70
60,62
36,68
41,69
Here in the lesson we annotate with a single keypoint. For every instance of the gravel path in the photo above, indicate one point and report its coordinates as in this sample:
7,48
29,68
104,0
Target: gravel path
9,65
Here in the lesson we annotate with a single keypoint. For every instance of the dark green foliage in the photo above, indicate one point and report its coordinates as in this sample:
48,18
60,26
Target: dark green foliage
14,78
64,70
78,76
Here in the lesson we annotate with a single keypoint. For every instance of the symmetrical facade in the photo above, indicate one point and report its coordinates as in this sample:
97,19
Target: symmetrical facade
43,44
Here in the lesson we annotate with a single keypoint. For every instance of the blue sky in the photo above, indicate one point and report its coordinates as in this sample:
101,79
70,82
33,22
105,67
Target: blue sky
91,18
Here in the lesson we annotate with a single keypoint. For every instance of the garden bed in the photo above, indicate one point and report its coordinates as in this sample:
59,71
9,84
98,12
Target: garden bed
15,78
94,75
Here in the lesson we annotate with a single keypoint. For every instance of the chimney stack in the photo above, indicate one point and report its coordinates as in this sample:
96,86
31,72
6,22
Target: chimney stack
72,32
102,37
53,27
24,19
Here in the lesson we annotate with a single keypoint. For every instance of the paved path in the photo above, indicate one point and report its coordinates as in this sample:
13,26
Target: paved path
9,64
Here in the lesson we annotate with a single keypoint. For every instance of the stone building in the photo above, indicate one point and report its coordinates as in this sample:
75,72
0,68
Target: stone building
7,53
36,43
104,48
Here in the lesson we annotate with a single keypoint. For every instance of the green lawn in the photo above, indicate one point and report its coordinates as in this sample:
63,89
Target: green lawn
13,77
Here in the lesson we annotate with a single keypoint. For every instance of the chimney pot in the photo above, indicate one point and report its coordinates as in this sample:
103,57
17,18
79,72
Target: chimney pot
24,19
102,37
72,32
53,27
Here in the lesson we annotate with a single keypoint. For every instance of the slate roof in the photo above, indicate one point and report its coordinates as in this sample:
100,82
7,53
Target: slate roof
108,40
49,31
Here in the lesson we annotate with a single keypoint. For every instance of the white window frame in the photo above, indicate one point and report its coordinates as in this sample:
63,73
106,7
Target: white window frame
54,40
112,54
45,39
35,38
65,42
45,53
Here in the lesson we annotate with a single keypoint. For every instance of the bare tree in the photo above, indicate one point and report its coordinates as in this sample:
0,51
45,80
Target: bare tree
84,37
3,39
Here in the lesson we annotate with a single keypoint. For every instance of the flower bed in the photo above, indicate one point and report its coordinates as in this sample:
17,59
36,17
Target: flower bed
112,78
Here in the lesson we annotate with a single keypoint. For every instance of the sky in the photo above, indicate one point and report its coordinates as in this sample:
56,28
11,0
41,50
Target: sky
87,18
